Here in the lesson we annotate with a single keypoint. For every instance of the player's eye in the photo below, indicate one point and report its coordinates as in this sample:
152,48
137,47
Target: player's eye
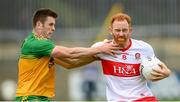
117,30
124,30
51,24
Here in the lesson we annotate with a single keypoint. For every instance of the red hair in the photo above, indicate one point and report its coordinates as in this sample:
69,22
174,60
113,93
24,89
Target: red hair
120,17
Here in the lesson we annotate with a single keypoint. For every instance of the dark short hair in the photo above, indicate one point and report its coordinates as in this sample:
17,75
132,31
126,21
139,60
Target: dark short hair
41,15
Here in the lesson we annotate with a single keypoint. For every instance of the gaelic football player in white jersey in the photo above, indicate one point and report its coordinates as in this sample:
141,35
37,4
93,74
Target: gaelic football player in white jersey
123,79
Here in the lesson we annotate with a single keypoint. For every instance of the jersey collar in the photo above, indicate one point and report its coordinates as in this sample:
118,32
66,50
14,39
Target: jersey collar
124,49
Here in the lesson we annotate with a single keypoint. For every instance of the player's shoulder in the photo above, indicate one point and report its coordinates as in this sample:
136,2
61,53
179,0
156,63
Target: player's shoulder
145,48
32,42
141,43
98,44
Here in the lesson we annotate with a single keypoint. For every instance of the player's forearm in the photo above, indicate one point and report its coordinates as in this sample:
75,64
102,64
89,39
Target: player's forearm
83,61
74,63
63,63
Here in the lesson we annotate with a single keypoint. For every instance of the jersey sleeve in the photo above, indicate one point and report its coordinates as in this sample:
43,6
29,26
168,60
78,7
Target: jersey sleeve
148,50
38,48
42,47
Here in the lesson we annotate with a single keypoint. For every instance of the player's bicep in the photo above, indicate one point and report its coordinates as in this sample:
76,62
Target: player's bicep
61,52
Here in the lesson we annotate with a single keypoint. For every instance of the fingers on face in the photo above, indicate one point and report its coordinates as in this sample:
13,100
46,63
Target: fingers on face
107,41
115,48
112,53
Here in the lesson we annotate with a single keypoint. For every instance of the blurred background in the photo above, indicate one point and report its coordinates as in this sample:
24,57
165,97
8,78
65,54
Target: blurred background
82,23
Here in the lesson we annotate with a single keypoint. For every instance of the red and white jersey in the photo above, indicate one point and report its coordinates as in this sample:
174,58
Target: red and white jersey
123,79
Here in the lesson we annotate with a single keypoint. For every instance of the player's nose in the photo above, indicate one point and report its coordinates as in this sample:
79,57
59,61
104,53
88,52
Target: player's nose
120,33
53,28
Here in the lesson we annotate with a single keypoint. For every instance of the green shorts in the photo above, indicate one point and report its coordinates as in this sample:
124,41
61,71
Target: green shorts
32,98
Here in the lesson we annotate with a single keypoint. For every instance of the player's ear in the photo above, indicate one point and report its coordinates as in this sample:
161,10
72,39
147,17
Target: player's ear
130,30
38,24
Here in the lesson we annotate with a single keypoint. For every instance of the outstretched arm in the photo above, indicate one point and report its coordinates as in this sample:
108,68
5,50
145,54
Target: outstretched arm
76,52
160,73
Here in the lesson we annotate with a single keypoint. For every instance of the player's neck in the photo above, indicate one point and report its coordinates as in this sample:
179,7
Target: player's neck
38,34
